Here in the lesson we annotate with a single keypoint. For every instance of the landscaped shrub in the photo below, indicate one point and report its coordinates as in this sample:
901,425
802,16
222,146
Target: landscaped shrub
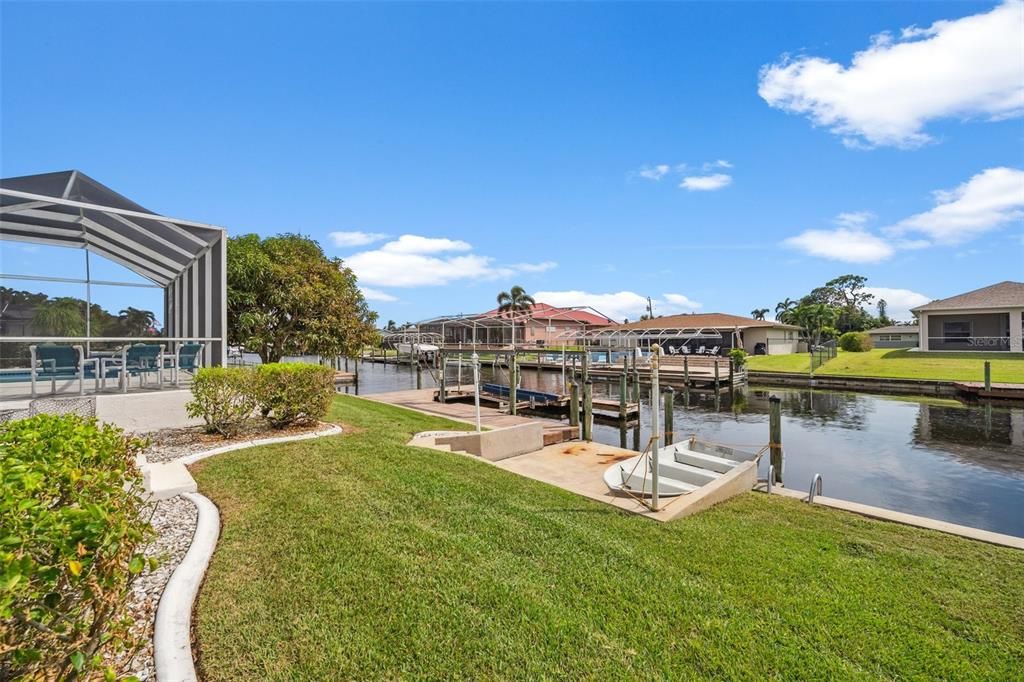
71,525
294,393
855,342
739,357
224,397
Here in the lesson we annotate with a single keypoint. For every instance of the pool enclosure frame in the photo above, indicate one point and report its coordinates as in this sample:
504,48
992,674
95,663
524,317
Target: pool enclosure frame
187,260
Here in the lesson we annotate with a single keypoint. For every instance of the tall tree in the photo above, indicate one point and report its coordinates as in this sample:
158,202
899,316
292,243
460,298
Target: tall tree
135,322
512,302
784,310
285,297
883,316
758,313
64,316
815,319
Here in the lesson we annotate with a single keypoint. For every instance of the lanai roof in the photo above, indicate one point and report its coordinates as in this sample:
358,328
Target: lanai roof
1002,295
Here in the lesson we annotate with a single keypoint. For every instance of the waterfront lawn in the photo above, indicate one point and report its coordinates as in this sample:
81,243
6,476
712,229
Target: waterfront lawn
358,557
901,363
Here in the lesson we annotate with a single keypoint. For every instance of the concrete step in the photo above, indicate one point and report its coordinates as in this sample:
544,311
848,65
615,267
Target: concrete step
164,480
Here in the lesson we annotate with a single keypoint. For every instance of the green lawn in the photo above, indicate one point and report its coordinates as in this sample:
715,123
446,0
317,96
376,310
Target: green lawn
901,363
358,557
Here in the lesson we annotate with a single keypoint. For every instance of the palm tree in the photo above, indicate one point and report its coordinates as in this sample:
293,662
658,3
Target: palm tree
60,317
814,318
784,310
390,326
513,301
135,322
758,313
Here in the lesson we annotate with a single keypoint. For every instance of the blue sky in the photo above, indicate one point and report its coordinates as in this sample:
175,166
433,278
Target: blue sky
716,157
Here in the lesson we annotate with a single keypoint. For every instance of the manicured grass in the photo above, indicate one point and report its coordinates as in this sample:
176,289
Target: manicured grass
901,363
358,557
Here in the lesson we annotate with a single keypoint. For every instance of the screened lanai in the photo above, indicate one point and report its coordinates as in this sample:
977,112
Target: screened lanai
167,272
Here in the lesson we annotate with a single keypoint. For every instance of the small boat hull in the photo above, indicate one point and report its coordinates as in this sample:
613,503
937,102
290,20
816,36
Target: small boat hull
682,468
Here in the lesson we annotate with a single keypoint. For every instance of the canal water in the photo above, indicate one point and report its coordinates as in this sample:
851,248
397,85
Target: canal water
933,457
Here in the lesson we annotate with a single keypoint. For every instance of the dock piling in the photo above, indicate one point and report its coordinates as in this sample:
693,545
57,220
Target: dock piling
988,375
574,403
775,435
588,410
513,377
622,396
670,394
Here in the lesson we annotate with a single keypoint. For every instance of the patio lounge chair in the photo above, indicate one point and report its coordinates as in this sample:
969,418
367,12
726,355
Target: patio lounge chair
714,350
684,349
138,360
51,361
700,351
185,360
672,350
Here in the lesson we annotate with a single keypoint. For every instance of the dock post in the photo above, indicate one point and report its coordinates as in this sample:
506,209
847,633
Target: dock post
586,364
588,410
476,389
732,375
670,398
686,382
513,379
622,396
775,435
563,367
988,376
716,376
655,427
441,385
574,404
419,377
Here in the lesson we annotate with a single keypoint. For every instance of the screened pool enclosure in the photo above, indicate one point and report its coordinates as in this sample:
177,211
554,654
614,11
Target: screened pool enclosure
91,284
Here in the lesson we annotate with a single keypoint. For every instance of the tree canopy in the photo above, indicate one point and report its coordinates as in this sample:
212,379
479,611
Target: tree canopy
838,306
286,297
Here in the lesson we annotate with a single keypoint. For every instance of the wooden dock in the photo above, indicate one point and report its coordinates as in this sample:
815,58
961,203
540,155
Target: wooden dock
995,391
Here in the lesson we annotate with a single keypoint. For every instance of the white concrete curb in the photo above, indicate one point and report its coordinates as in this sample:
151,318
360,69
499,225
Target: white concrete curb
192,459
172,632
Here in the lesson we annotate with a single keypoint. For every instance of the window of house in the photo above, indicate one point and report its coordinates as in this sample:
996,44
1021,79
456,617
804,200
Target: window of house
956,332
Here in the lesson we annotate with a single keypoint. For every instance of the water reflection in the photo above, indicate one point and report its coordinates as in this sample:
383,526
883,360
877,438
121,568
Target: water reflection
936,458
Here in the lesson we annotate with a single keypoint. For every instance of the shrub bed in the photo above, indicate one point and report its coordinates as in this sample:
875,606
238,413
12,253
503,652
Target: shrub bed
855,342
293,393
72,524
224,397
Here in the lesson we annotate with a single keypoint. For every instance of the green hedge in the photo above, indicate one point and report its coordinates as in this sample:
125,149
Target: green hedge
855,342
224,397
227,398
293,393
71,525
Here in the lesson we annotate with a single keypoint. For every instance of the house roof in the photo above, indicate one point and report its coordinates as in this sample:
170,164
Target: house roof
704,321
544,311
895,329
1002,295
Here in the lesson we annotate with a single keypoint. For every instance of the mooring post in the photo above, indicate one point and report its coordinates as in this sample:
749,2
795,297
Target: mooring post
732,374
716,376
622,396
636,382
670,398
419,377
988,376
513,377
441,385
574,403
655,427
588,410
586,363
476,389
775,435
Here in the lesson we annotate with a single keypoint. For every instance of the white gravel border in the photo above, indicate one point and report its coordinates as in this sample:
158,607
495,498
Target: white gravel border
172,632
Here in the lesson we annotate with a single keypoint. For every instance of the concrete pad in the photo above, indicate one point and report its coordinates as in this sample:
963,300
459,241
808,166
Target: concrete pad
142,412
164,480
500,443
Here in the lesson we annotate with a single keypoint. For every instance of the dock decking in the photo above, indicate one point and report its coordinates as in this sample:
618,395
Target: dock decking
1002,391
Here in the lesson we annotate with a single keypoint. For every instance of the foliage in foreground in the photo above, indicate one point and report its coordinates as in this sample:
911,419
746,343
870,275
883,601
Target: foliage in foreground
71,525
364,558
286,297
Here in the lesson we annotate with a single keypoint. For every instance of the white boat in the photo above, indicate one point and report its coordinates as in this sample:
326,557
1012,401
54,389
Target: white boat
682,468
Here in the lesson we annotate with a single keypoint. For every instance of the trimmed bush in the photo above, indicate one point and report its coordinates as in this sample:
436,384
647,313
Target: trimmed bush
739,357
71,525
224,397
294,393
855,342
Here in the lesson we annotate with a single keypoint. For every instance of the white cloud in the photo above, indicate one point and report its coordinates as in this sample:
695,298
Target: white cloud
711,165
898,301
535,267
619,305
854,218
706,183
377,295
344,239
413,261
989,200
654,172
962,68
412,243
850,245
